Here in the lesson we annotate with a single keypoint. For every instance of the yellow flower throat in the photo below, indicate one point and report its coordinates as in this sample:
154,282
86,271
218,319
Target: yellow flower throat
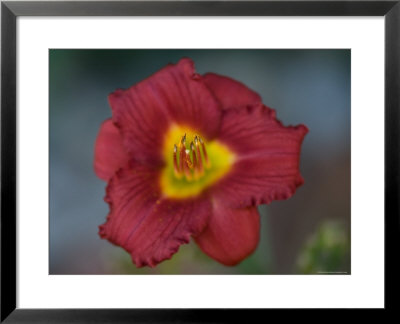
192,165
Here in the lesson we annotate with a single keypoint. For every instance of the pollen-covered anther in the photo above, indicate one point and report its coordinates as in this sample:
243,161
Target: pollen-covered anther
191,160
183,140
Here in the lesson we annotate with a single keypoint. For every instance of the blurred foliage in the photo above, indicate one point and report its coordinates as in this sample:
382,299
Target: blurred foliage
327,250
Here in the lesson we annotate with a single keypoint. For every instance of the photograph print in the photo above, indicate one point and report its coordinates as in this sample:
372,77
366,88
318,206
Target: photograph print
200,161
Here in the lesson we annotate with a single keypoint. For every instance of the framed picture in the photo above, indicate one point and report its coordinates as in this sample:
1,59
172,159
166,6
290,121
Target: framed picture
247,149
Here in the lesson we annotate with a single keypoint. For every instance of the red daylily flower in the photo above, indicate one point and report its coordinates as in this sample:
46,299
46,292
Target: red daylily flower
188,155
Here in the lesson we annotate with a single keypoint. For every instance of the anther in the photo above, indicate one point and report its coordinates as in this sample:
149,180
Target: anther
183,139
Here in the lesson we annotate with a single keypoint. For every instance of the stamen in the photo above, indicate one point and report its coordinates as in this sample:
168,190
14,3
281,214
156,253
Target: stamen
199,160
177,172
186,168
188,161
182,157
195,163
191,162
192,149
203,147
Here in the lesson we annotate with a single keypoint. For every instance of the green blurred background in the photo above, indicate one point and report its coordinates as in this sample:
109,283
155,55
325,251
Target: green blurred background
309,233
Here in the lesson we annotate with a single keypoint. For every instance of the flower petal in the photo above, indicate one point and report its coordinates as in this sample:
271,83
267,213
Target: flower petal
109,153
149,227
231,235
267,157
229,92
173,95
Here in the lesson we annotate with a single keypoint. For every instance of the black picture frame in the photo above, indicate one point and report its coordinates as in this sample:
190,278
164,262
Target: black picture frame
10,10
